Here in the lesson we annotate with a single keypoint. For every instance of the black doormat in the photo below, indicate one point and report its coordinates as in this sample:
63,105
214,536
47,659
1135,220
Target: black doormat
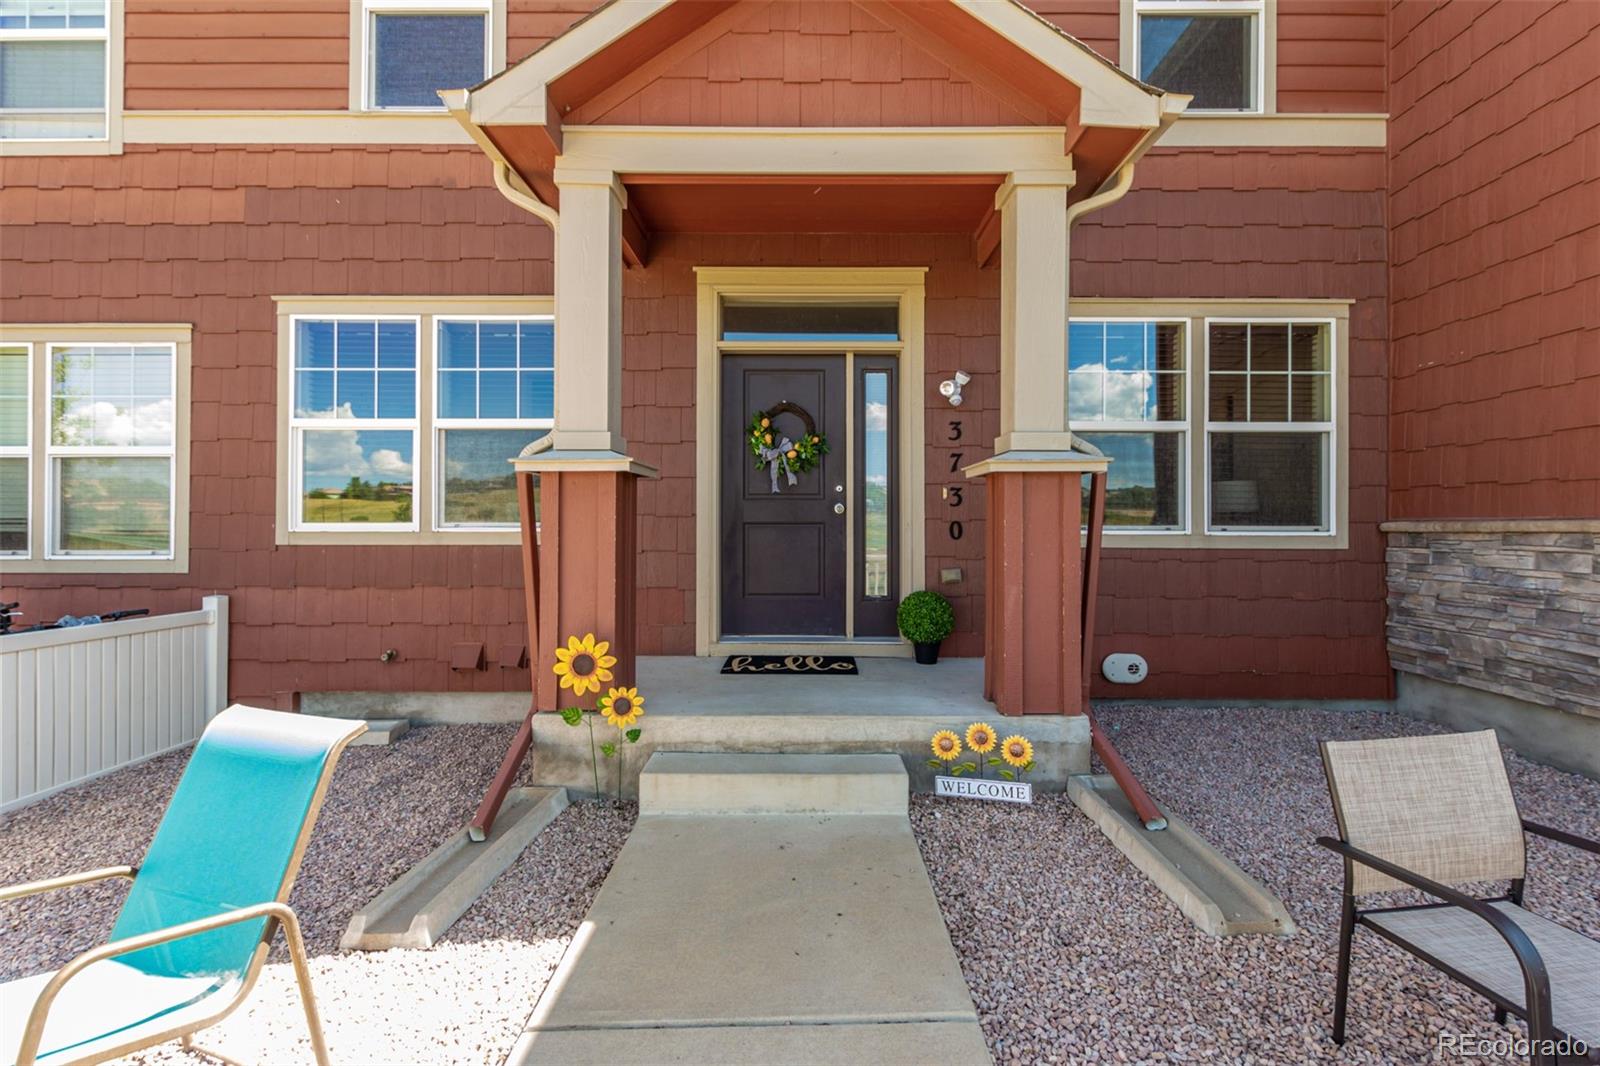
760,665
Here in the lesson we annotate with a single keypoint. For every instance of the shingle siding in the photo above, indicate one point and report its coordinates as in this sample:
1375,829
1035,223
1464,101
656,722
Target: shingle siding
1494,205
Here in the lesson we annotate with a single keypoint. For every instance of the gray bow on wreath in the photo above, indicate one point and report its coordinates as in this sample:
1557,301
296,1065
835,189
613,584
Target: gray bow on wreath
776,456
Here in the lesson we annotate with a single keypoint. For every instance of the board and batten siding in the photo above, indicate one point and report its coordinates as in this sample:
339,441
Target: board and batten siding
77,703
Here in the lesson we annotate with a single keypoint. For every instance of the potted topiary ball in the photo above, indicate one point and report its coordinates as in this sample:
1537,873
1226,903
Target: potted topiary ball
926,618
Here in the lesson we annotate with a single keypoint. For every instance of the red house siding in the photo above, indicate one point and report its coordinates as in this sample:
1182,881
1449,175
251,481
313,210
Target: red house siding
1331,56
805,64
266,55
1494,205
206,235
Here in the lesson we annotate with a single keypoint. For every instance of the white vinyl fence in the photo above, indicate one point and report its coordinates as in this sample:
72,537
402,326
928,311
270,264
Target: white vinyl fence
76,703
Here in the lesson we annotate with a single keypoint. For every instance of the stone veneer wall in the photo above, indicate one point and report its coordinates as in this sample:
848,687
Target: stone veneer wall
1510,607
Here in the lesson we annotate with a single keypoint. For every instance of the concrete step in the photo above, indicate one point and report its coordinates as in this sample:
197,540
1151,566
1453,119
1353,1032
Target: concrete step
383,731
1208,887
696,783
423,902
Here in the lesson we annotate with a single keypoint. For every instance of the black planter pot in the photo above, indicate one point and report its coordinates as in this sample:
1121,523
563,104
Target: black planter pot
927,653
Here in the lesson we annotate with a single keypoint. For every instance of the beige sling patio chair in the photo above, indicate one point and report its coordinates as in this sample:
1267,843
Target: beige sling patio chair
1433,812
204,907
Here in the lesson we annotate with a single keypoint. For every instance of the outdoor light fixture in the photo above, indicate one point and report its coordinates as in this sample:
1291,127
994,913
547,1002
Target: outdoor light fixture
950,388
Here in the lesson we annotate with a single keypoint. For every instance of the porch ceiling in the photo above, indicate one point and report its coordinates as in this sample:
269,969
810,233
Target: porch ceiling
688,203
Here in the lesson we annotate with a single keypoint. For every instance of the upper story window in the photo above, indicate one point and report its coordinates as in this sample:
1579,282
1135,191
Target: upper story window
1212,49
54,69
414,48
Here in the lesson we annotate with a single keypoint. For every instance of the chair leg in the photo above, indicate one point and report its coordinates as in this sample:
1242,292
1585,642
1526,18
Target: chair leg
1499,1016
302,976
1341,994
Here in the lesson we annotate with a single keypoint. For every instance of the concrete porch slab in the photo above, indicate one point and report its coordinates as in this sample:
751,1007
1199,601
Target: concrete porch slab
759,938
684,684
1208,887
423,902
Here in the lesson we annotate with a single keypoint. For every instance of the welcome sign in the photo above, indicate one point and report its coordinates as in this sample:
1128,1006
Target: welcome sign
983,789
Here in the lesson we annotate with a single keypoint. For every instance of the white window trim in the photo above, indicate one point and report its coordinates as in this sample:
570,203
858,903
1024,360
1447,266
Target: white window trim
1197,312
1184,428
441,423
1264,63
23,451
54,453
111,143
425,485
298,426
1330,426
41,454
361,69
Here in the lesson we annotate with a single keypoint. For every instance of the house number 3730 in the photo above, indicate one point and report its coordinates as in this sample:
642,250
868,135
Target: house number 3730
952,493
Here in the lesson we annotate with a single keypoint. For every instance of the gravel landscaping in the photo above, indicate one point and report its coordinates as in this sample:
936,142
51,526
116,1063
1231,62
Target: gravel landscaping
464,1001
1072,956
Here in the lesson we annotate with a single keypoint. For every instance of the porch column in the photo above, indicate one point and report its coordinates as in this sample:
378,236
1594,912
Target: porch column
1033,313
587,513
1032,628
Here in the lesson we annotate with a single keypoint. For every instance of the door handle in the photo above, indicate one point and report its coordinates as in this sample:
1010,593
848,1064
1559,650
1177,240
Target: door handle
838,508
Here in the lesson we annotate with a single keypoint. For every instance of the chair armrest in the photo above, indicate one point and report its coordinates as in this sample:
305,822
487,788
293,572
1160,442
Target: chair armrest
1562,836
29,1048
33,888
1535,979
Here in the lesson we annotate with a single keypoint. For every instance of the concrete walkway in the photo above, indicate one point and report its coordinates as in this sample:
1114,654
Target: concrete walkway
806,933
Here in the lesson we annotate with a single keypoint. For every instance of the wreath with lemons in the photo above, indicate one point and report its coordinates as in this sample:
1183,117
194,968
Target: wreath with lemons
776,451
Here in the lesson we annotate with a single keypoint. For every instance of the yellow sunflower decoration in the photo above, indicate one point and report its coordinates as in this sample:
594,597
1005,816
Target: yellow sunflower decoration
1016,751
946,745
622,706
583,664
980,738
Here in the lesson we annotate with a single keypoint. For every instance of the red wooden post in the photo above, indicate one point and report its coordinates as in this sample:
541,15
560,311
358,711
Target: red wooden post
483,821
1121,773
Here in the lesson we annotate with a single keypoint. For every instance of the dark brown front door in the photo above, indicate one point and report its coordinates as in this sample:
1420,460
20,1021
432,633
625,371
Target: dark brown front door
783,553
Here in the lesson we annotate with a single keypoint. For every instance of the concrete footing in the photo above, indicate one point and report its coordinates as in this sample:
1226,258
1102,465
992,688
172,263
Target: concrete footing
1210,889
1557,738
423,902
383,731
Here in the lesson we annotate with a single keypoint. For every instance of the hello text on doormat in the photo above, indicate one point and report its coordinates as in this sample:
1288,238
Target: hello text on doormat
843,665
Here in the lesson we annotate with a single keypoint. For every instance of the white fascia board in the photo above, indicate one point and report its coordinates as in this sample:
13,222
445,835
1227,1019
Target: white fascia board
518,95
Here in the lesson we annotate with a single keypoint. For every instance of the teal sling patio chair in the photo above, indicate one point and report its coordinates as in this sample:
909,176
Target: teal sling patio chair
204,906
